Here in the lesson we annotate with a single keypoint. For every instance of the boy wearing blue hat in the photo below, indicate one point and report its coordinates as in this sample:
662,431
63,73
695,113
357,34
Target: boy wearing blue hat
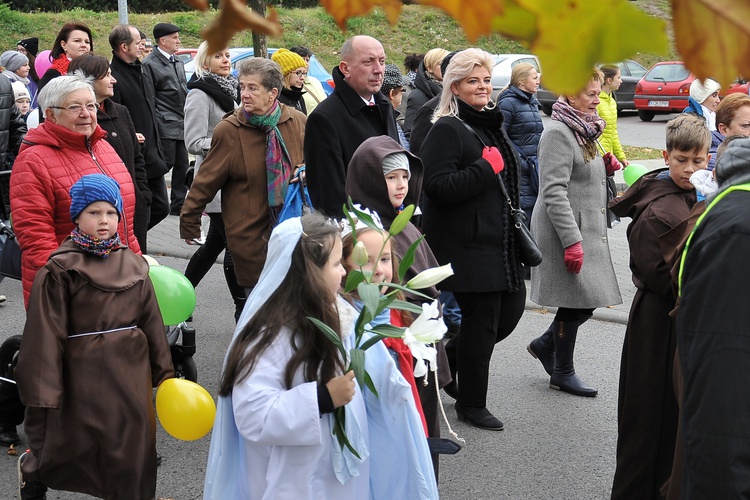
93,347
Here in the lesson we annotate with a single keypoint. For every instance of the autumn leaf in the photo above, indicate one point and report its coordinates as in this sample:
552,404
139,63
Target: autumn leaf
341,10
198,5
574,35
516,23
713,37
233,17
475,16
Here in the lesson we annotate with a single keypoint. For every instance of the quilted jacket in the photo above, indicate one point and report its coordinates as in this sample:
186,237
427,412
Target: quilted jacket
610,139
51,159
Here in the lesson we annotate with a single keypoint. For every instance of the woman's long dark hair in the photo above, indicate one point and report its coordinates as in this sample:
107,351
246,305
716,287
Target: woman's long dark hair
63,35
303,293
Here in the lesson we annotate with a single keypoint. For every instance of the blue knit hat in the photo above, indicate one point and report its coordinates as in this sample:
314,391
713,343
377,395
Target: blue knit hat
92,188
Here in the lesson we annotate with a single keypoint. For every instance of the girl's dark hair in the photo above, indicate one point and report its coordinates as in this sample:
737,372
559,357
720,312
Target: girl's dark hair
303,293
63,35
609,71
91,65
411,61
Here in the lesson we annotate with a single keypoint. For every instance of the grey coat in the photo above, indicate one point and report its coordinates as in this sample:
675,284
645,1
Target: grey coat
170,88
202,114
571,207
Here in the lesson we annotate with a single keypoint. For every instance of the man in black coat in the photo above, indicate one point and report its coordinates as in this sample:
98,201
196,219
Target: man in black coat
355,111
170,88
135,91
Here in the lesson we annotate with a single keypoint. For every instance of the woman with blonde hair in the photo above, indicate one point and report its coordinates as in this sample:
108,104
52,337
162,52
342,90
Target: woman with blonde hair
468,224
523,123
427,83
570,222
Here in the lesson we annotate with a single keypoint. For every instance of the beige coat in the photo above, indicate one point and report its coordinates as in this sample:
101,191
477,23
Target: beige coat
236,165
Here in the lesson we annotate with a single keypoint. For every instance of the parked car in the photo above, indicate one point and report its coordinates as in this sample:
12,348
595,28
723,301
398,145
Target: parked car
631,73
664,89
504,64
239,53
186,55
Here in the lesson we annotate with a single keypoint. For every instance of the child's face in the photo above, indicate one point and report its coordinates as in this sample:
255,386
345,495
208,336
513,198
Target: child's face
99,220
382,269
396,96
398,186
683,164
23,106
333,272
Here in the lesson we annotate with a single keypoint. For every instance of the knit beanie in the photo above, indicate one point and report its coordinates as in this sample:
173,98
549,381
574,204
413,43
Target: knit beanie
20,91
396,161
288,60
702,91
92,188
392,79
12,60
30,44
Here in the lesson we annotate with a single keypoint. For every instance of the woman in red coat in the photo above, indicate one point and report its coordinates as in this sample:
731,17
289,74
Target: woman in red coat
68,145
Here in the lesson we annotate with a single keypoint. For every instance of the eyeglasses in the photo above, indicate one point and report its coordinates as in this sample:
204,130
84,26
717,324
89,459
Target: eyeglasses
301,74
75,109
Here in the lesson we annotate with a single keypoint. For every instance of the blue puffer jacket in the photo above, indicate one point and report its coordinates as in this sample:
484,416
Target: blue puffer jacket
523,123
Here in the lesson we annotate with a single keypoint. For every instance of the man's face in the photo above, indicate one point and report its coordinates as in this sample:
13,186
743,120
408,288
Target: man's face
132,51
170,43
365,66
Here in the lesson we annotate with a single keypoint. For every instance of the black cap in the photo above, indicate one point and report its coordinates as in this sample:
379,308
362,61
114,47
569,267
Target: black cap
164,29
30,44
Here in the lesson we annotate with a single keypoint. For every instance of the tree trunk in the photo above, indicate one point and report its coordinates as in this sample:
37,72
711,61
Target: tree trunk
259,40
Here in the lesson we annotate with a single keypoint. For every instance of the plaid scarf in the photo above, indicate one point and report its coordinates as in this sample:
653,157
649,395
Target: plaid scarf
93,245
587,128
278,164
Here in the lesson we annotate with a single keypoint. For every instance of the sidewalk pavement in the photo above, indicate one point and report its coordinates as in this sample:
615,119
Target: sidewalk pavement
164,239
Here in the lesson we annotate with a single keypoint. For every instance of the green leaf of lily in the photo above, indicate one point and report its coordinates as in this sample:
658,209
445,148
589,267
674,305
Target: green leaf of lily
332,336
408,259
353,279
370,385
387,330
369,294
357,364
403,305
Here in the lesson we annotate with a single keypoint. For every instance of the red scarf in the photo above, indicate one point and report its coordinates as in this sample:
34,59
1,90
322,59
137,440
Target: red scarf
61,64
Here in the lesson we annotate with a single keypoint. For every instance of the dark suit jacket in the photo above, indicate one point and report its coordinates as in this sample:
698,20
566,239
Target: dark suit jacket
335,129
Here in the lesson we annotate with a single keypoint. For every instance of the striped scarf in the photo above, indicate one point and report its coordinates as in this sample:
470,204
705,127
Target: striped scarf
278,164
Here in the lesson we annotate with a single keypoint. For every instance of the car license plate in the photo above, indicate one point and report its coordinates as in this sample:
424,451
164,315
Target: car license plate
658,104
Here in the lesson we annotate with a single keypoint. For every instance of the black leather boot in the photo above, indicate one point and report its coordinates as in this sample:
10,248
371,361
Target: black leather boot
543,349
564,376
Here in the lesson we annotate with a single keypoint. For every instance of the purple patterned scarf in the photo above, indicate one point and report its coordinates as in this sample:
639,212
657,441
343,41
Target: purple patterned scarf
278,164
587,128
93,245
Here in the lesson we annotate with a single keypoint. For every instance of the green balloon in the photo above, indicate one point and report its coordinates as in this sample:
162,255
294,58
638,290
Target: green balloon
633,172
174,293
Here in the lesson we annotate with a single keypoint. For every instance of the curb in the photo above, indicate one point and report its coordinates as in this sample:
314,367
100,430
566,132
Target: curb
600,313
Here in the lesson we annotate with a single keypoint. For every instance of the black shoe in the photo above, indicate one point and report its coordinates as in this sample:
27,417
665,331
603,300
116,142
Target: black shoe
479,417
29,490
452,389
9,436
158,459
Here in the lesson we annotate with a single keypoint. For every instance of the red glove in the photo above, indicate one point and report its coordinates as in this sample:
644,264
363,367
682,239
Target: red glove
574,258
493,156
611,163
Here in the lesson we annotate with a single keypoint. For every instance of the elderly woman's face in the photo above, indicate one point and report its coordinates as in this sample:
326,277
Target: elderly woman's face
739,125
475,89
587,100
256,99
79,119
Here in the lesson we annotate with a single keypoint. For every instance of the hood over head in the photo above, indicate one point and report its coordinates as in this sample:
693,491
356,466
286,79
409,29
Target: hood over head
734,165
640,195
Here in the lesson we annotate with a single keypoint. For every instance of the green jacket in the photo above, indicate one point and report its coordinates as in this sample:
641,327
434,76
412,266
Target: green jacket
610,140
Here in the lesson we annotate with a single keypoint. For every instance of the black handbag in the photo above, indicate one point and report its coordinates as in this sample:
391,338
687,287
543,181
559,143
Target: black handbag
529,250
530,254
10,253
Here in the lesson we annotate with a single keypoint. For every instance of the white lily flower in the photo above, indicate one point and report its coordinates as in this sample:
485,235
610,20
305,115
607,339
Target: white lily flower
359,254
430,277
428,328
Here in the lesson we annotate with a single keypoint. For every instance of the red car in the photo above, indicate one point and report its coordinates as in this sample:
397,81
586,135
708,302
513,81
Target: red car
664,89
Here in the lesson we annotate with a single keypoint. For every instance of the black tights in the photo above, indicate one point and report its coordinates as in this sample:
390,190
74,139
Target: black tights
568,315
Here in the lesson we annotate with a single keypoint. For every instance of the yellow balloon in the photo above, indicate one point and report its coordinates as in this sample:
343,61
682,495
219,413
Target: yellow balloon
185,409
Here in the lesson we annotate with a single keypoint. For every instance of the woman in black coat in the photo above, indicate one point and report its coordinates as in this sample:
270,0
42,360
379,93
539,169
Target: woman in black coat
427,84
121,134
467,223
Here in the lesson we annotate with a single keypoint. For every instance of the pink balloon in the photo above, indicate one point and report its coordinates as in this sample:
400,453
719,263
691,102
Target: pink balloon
42,63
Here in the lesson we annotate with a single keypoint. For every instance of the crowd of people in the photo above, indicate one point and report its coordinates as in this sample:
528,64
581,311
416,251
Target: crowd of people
100,133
